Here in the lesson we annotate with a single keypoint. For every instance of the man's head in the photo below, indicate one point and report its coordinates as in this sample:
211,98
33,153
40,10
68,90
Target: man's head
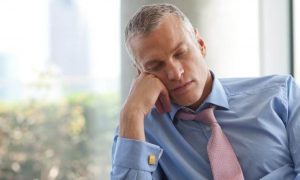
162,41
148,17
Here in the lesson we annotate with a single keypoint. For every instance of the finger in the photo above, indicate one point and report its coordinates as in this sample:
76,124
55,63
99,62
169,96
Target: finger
134,80
137,69
159,106
165,100
132,85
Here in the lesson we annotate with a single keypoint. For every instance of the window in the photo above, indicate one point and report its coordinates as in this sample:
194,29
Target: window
296,20
59,88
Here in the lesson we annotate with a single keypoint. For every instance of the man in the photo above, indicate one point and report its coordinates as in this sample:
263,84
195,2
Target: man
259,116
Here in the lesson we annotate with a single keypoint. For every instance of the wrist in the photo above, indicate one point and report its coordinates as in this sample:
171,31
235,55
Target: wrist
132,124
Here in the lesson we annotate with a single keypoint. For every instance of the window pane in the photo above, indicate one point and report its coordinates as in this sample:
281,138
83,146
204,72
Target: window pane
296,10
59,88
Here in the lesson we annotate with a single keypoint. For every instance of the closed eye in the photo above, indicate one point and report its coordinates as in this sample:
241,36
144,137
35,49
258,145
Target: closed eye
179,54
155,66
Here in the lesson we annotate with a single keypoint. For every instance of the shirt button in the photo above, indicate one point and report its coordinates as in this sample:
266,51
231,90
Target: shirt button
151,159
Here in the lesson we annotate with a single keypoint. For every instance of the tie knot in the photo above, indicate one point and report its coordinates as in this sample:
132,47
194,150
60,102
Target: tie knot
206,116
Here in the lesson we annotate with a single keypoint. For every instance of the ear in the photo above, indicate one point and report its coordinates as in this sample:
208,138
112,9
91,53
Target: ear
200,42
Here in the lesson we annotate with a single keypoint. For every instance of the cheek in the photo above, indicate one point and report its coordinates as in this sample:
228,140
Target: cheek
199,72
193,69
200,66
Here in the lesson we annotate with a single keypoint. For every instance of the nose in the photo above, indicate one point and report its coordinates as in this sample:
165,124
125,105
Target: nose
174,71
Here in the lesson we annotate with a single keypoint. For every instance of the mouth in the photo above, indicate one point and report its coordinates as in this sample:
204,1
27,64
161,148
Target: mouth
182,88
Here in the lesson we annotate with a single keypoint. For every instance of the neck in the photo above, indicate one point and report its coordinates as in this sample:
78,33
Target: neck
206,92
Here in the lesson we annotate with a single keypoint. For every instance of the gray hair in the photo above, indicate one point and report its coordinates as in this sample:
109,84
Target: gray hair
149,16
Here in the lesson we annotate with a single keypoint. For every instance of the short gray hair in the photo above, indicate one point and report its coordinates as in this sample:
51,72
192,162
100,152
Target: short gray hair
149,16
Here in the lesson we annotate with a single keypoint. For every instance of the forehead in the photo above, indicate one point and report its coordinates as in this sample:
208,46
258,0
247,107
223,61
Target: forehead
161,40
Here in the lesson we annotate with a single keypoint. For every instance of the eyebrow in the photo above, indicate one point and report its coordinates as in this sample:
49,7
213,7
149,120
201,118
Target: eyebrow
178,45
153,61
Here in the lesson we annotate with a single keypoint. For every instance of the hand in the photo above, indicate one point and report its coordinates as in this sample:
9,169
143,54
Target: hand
146,91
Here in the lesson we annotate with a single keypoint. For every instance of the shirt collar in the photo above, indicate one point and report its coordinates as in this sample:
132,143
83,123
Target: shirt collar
216,97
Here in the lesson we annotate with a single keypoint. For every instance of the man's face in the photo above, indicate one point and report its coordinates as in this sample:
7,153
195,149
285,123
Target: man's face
173,54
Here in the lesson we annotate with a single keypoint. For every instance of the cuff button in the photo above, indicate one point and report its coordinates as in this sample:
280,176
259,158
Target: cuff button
151,159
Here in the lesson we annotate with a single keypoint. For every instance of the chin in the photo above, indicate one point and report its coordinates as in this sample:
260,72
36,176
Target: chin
185,101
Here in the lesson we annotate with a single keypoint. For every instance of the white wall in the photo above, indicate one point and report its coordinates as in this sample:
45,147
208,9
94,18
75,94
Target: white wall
275,40
231,31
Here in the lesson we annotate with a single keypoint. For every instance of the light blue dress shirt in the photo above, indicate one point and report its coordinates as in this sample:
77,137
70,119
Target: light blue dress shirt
260,117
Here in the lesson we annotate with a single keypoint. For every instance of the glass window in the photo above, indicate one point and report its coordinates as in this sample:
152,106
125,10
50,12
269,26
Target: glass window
59,88
296,19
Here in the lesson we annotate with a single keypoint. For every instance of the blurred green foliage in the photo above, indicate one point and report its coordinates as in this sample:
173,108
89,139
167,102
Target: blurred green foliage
66,139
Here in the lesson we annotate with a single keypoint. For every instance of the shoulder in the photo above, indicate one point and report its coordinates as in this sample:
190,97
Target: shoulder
235,86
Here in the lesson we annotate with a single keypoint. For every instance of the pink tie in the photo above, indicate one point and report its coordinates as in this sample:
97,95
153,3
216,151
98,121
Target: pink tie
224,163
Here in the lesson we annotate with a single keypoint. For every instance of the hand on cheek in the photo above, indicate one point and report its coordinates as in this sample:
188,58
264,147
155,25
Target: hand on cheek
146,92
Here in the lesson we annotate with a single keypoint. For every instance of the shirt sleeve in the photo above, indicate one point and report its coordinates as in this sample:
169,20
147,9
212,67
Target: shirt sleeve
133,159
293,123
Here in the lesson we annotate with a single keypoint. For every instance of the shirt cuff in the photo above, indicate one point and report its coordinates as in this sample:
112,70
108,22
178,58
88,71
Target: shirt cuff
136,154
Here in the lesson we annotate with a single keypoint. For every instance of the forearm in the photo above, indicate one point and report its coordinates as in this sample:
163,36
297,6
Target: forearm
133,157
132,124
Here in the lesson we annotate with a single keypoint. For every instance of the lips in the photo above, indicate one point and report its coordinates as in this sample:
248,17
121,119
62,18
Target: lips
182,88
